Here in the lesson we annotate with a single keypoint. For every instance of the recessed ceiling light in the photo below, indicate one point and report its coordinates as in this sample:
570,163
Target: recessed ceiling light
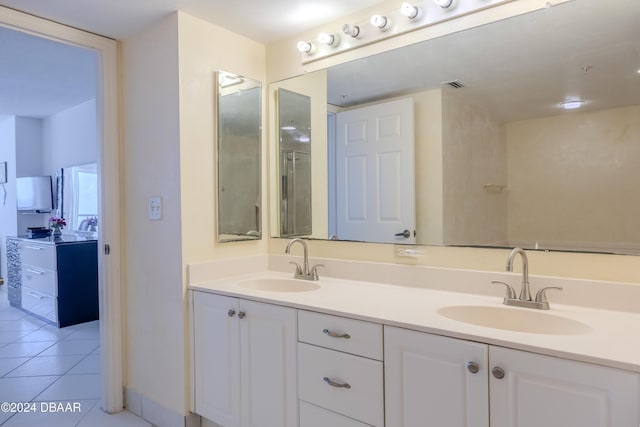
638,71
572,105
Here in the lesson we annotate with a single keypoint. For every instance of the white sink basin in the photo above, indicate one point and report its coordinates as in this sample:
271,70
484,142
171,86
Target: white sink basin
279,285
515,319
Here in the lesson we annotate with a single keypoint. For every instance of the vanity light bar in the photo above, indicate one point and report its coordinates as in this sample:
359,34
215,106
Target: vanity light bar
409,17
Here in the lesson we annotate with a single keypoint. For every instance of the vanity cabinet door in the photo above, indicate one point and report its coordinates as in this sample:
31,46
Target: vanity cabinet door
431,380
546,391
268,355
216,347
245,362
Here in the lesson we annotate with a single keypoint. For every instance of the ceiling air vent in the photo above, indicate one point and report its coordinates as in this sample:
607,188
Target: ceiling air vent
456,84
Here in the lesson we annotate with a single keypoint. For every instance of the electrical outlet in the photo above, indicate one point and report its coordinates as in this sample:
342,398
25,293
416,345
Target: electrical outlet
155,208
408,252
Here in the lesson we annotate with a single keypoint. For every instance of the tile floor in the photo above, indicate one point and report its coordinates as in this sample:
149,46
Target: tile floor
56,371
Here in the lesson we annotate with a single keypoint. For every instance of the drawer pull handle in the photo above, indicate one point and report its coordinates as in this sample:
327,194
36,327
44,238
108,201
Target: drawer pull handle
31,294
35,248
335,384
334,335
40,273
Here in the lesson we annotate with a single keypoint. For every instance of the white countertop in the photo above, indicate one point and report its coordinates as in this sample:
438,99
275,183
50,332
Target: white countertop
613,341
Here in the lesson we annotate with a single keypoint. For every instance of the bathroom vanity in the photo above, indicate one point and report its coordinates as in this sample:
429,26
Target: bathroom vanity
356,354
55,280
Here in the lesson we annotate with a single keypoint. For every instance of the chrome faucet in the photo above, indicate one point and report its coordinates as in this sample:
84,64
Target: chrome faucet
524,300
303,272
525,292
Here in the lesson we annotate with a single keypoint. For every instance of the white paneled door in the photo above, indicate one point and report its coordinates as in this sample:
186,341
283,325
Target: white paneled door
375,173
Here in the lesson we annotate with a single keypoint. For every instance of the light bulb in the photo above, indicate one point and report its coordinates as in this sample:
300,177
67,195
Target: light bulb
379,21
409,10
325,38
443,3
351,30
304,47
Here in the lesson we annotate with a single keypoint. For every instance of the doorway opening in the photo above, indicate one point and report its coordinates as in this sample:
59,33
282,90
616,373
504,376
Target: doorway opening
86,120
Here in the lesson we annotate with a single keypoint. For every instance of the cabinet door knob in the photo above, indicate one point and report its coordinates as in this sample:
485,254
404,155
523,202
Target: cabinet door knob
473,367
335,335
498,372
231,312
241,314
335,384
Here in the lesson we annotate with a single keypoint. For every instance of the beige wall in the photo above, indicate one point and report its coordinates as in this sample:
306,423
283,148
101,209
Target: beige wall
203,50
579,169
474,155
313,85
429,167
169,151
152,270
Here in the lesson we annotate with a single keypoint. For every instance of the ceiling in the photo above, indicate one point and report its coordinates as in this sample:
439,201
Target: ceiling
260,20
40,77
522,67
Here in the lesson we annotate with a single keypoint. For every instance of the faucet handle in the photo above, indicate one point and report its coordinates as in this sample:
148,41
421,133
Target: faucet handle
298,268
541,296
314,271
510,293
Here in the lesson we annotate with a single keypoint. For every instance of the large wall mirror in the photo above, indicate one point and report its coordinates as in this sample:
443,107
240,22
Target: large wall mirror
527,130
294,163
239,158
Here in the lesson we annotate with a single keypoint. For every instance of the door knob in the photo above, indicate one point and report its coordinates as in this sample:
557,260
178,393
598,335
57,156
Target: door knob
406,234
231,312
241,314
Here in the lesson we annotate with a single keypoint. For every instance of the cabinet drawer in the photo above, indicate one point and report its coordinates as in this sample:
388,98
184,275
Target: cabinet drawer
364,338
315,416
362,400
38,255
39,279
39,303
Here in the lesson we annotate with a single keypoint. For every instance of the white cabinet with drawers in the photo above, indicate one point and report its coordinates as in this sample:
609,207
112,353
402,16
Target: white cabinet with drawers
343,372
56,280
340,370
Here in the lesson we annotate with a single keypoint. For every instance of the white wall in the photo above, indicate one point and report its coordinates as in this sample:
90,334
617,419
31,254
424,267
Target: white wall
69,138
29,159
8,213
29,155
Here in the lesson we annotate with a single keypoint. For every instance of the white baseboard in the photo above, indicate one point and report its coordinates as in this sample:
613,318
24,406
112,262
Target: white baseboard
156,413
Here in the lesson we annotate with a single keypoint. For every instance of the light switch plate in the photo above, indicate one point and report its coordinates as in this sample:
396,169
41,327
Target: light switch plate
155,208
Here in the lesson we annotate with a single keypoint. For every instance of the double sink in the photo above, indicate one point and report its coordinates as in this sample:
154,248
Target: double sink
497,317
